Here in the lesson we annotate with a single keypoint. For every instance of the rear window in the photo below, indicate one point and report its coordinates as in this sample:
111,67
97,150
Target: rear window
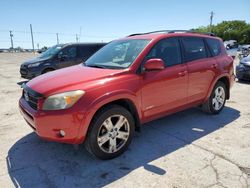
194,48
87,51
214,46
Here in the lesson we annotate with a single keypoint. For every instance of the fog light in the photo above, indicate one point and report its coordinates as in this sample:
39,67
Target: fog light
62,133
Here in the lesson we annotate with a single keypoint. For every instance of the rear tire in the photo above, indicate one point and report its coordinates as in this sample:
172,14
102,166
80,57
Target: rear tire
110,132
217,99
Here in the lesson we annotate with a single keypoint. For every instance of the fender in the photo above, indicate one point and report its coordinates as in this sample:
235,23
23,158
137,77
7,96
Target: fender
213,84
102,101
47,67
49,64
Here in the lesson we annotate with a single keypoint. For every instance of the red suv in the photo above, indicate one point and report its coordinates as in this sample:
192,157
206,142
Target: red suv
128,82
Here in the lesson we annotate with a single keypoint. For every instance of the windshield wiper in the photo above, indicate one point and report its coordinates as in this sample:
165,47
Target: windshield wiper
96,66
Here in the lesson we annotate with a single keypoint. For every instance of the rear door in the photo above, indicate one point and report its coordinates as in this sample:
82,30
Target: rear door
216,51
201,67
164,90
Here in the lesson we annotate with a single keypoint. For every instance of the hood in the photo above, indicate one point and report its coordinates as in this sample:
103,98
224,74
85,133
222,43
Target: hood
71,78
245,61
35,60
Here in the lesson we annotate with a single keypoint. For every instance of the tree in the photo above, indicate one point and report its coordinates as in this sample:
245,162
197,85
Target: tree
230,30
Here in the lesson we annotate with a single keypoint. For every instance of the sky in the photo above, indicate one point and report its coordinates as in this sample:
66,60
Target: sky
99,20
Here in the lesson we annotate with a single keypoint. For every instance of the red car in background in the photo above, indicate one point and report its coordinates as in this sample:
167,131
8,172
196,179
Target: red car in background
128,82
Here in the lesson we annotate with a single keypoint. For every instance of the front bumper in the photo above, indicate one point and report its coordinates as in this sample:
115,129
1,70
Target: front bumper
48,124
28,74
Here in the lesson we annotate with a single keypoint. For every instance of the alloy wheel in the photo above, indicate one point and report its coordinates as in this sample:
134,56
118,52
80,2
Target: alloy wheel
113,133
219,98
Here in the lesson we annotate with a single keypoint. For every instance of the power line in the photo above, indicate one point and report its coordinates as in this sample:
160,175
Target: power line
4,31
23,41
23,34
70,34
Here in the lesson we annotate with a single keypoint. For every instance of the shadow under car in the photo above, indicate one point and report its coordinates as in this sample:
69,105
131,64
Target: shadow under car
34,162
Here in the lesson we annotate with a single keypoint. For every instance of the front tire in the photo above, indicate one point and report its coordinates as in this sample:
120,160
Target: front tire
217,99
110,132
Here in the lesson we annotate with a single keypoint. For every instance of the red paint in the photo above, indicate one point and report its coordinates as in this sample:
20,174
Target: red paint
154,64
153,93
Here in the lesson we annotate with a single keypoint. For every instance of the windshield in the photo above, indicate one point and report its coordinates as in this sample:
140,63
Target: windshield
118,54
51,51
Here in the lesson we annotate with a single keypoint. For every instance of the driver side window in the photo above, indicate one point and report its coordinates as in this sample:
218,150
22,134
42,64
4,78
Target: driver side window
168,50
68,52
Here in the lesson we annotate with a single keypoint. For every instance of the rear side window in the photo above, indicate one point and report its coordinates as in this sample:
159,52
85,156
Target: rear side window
214,46
194,48
168,50
87,51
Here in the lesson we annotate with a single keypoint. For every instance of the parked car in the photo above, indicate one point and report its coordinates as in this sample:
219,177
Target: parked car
43,49
128,82
57,57
231,44
243,69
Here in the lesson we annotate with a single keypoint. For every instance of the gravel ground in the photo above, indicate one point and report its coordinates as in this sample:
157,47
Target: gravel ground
187,149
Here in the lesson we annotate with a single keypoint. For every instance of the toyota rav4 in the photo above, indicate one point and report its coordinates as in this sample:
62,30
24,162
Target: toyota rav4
130,81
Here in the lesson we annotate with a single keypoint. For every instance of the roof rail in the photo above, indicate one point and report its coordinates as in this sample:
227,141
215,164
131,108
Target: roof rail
174,31
151,32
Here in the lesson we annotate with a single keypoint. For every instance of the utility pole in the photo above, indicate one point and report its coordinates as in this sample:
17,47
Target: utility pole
11,40
31,32
76,38
57,38
80,34
211,20
37,46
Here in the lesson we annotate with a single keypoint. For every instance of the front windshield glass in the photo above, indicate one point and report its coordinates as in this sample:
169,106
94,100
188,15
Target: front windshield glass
51,51
118,54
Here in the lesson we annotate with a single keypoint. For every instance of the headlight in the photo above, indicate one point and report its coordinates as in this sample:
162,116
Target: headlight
34,65
62,100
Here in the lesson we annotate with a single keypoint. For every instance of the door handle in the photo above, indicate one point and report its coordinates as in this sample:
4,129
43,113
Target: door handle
214,65
182,73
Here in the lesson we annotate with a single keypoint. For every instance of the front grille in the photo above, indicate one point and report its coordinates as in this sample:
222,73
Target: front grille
23,70
246,76
31,97
23,73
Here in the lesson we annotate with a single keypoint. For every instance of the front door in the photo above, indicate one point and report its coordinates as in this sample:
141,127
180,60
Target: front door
165,90
67,57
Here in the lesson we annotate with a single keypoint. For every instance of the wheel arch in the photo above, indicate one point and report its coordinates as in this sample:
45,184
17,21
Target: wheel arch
223,78
127,104
47,68
127,101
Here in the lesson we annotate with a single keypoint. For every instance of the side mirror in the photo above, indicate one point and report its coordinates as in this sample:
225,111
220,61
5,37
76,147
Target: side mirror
154,64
